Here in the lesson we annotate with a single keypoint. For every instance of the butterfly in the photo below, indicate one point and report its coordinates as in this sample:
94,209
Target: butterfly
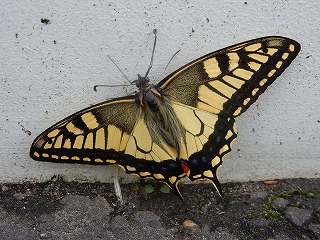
181,127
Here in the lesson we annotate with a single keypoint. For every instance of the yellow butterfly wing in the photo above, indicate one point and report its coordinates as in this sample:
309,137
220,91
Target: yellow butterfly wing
112,132
228,81
208,93
208,138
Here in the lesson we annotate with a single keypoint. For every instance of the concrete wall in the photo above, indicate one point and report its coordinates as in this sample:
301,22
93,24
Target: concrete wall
47,72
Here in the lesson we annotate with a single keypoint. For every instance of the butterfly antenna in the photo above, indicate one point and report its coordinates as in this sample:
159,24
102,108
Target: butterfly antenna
123,74
167,65
120,85
103,85
154,48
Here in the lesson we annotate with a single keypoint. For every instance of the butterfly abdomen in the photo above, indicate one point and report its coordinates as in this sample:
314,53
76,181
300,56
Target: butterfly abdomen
158,114
162,122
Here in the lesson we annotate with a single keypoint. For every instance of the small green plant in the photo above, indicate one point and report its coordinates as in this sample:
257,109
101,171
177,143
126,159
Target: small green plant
268,212
152,184
148,188
165,188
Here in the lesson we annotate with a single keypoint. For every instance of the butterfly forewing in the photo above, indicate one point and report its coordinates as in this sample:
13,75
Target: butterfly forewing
90,135
228,81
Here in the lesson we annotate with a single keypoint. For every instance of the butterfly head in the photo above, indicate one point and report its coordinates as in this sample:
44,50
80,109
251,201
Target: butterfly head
141,81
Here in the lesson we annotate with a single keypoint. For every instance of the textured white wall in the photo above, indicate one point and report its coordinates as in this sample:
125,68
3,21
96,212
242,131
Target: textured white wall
48,71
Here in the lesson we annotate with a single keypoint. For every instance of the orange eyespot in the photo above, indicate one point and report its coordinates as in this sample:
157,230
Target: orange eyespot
185,168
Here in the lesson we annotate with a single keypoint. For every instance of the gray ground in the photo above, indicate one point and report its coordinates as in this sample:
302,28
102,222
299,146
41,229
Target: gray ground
289,209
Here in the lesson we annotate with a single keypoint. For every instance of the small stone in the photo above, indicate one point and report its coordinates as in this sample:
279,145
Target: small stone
305,237
204,208
189,224
318,213
4,188
223,233
46,218
279,204
18,196
260,222
270,182
310,195
299,204
259,196
28,193
147,218
94,191
298,216
154,223
315,228
43,235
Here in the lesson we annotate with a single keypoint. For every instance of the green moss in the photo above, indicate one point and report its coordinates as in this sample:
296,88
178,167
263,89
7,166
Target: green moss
269,213
289,194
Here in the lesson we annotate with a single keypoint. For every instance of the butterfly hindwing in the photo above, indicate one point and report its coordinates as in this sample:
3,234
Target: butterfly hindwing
110,133
153,159
208,138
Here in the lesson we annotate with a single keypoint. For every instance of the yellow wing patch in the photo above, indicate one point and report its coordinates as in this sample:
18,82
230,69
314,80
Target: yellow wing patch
199,125
141,145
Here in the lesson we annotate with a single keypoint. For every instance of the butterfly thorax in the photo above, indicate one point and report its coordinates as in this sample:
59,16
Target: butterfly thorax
148,95
158,114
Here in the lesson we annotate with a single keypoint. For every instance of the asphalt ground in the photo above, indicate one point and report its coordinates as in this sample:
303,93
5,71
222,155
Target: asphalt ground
281,209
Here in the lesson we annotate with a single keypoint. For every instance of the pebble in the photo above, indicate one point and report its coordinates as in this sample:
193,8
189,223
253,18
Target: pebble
280,204
189,224
260,222
259,196
4,188
147,218
18,196
310,195
154,223
298,216
315,228
270,182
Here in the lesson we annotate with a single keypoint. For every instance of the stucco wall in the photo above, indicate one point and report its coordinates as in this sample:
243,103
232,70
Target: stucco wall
48,70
